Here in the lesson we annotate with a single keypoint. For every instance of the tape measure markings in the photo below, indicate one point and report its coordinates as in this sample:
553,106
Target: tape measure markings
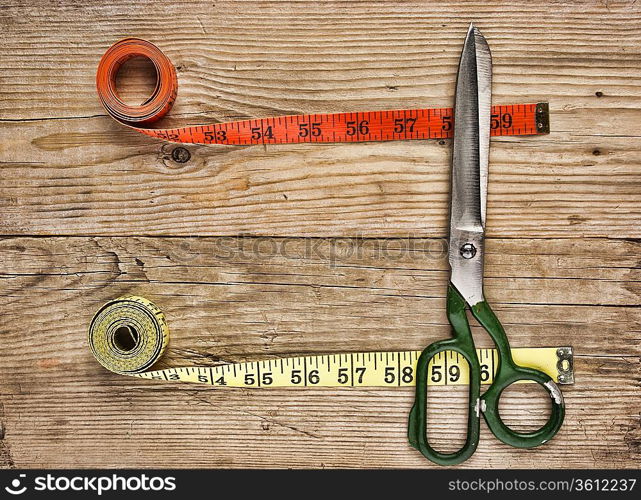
392,125
145,322
371,369
396,125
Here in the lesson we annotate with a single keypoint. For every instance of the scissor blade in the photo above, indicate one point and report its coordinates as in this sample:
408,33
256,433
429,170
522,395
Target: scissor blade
469,166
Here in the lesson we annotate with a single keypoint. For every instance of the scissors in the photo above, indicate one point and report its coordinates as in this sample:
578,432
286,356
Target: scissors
470,158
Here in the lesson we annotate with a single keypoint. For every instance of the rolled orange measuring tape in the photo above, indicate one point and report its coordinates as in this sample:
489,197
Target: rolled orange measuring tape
428,123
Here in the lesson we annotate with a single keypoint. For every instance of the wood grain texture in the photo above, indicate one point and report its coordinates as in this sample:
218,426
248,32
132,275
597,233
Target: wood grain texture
252,298
69,169
286,250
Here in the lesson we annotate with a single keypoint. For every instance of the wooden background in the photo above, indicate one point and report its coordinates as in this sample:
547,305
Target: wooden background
284,250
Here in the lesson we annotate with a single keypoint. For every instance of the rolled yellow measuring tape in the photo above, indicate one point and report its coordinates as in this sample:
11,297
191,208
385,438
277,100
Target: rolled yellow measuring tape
129,334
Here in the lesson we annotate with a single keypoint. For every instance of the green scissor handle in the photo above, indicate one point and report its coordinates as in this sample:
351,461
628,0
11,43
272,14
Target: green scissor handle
507,373
462,343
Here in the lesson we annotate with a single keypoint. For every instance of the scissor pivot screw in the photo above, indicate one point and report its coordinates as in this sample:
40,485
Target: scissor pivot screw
468,251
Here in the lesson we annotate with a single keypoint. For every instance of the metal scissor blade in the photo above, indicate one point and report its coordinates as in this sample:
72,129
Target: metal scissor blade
469,166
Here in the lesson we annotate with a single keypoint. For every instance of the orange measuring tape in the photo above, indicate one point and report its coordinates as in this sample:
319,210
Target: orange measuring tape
429,123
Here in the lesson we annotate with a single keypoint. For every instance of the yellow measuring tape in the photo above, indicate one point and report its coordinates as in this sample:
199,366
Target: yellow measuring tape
129,334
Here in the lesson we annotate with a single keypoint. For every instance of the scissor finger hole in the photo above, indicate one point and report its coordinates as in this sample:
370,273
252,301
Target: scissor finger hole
447,409
525,407
447,405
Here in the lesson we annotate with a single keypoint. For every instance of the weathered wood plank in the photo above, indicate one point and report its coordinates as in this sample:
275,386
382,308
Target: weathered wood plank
245,59
233,299
68,169
563,217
